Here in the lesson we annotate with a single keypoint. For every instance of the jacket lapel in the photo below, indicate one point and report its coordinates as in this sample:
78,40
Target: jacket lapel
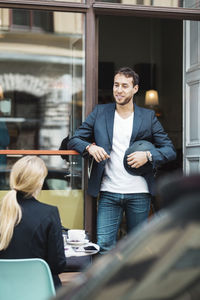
136,123
110,113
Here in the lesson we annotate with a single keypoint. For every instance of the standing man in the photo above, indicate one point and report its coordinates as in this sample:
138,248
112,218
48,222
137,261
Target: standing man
105,135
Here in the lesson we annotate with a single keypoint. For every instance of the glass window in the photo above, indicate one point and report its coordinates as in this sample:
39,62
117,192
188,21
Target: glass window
83,1
20,17
164,3
43,89
72,1
31,20
43,20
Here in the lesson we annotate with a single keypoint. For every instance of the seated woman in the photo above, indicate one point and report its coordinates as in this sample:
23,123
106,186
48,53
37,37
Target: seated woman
29,228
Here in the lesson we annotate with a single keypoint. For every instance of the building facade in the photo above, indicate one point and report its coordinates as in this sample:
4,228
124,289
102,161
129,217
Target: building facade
57,62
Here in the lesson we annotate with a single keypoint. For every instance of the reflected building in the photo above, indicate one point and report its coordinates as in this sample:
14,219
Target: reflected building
42,65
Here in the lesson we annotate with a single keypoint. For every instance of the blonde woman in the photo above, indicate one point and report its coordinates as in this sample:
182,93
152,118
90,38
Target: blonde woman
29,228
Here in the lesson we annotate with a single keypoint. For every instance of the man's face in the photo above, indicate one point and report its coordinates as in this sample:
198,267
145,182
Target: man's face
123,89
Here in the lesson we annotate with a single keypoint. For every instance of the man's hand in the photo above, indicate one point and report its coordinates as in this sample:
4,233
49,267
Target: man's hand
98,153
137,159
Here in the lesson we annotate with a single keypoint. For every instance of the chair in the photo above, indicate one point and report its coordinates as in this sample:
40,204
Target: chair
25,279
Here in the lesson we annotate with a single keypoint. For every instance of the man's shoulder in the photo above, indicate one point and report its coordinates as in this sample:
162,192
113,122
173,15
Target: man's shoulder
106,106
143,110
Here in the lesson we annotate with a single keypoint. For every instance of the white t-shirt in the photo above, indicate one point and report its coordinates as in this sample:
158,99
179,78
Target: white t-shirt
116,179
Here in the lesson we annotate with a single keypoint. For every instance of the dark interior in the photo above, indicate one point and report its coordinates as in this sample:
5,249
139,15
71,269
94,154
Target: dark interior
153,48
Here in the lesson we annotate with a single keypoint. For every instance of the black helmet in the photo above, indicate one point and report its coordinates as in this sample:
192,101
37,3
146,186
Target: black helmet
139,146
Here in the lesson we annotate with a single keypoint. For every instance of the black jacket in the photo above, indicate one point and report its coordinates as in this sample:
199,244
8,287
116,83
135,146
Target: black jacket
38,235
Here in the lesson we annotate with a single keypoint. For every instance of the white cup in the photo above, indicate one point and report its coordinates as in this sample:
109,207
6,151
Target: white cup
76,235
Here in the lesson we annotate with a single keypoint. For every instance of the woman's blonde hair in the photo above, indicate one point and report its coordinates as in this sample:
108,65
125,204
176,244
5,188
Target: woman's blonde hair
27,175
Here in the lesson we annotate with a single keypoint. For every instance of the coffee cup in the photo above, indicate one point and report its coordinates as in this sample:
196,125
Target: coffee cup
76,235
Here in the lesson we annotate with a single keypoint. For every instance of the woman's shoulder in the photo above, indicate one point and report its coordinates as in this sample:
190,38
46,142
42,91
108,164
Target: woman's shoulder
46,213
36,206
46,207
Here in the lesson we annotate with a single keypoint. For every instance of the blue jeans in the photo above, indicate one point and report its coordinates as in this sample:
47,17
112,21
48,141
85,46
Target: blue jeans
110,212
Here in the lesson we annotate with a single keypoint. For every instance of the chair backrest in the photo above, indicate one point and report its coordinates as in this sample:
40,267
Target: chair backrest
25,279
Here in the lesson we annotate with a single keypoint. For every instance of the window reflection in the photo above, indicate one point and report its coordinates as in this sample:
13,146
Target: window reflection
42,76
32,20
164,3
83,1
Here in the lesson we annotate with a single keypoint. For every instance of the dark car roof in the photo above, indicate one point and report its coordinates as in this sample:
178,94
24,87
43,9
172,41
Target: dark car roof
160,260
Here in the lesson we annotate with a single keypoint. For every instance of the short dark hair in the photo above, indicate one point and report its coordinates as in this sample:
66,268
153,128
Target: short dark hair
128,72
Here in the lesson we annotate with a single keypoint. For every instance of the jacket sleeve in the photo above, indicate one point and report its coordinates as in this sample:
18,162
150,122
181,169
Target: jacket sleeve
84,135
164,151
55,247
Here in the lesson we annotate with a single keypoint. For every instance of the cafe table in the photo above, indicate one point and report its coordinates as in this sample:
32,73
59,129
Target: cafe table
78,255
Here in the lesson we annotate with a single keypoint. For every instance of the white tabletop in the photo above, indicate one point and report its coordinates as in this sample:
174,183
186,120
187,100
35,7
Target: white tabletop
78,250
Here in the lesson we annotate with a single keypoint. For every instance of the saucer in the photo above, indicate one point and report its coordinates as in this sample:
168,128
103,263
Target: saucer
73,242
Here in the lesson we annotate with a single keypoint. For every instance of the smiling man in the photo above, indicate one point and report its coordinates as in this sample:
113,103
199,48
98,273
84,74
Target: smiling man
105,135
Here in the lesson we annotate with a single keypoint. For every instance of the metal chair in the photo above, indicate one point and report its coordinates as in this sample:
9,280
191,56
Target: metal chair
22,279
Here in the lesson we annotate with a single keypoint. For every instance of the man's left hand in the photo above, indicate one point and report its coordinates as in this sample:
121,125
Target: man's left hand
137,159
